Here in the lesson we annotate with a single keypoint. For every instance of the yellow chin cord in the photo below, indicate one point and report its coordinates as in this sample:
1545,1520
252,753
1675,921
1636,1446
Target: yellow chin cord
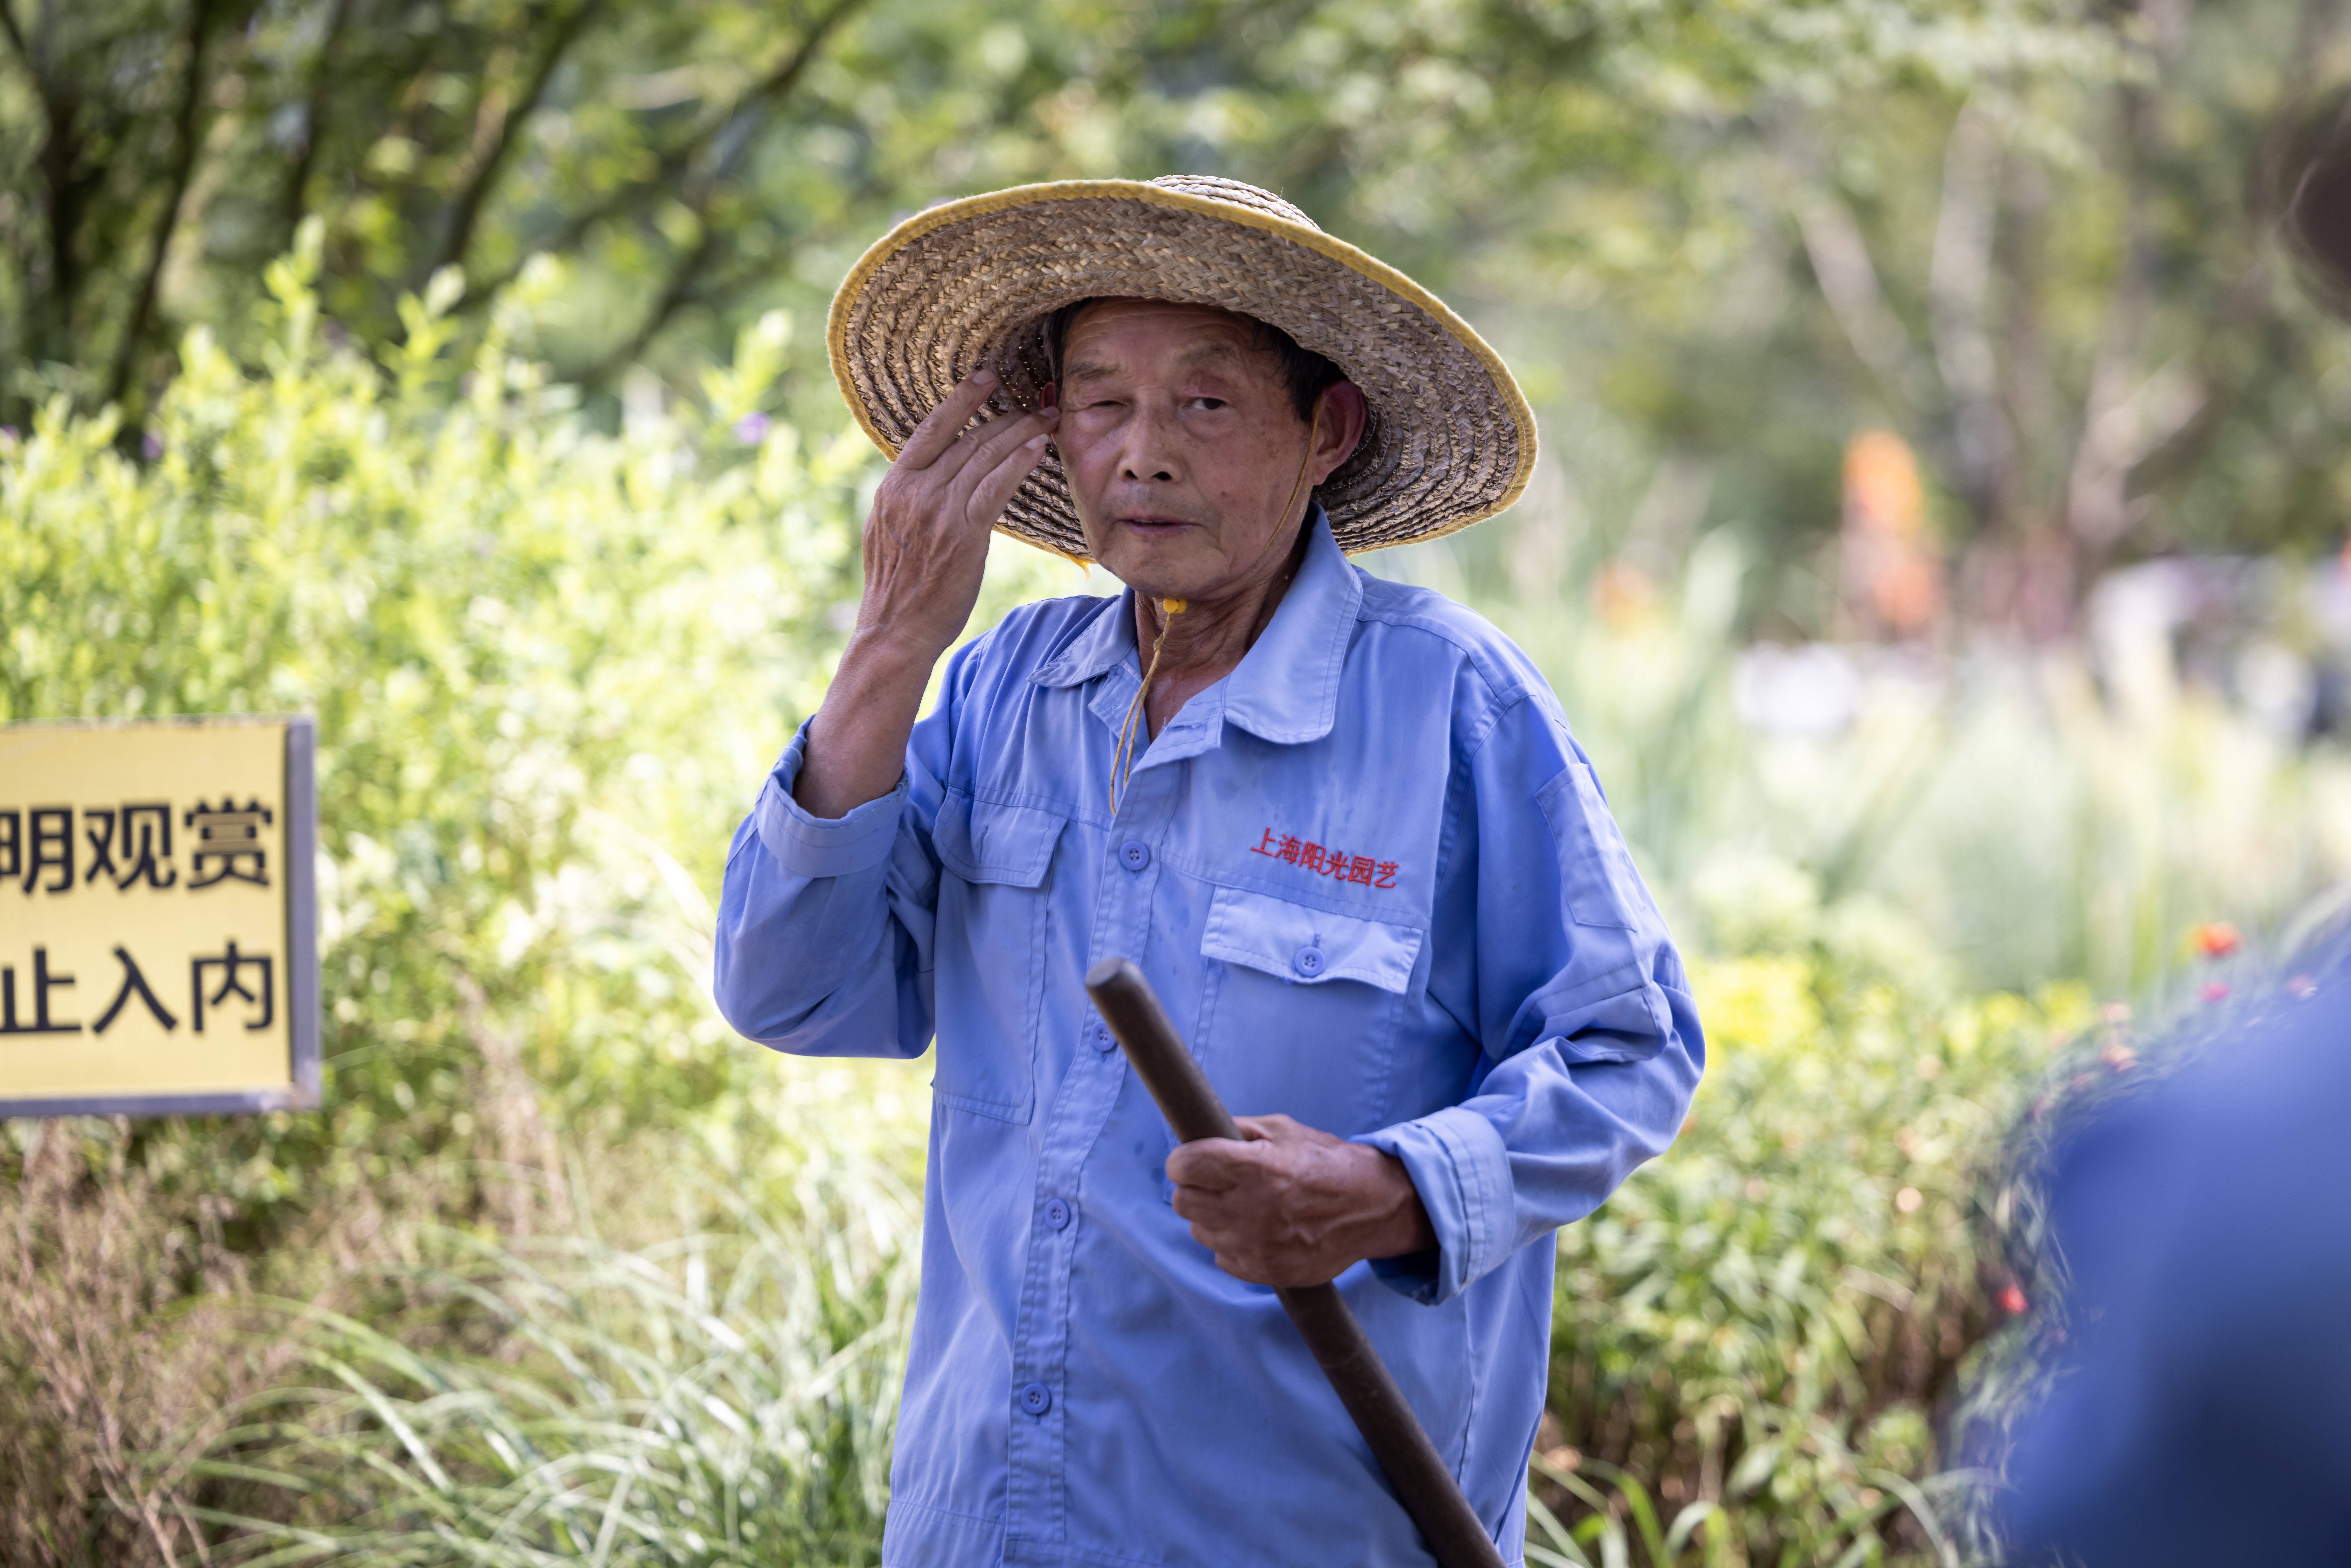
1122,761
1314,434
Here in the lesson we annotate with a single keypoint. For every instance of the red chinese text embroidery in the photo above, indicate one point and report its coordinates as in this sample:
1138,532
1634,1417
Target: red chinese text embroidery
1321,859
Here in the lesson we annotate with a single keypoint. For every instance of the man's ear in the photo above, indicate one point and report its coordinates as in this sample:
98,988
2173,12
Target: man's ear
1344,417
1050,395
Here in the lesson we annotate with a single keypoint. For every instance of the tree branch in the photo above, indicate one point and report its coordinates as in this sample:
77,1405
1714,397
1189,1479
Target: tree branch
675,162
2097,509
2246,300
1842,267
55,161
183,168
1957,289
15,34
1841,264
682,278
297,179
468,211
674,296
68,185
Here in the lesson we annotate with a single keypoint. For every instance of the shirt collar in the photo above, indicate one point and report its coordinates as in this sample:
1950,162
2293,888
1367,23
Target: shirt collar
1286,688
1103,642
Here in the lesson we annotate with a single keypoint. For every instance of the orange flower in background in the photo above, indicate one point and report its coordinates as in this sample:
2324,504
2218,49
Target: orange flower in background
1893,580
2012,1301
1882,493
1624,595
2215,939
1907,593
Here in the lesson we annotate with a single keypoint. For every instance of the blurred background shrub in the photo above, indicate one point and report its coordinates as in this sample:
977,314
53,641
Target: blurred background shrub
1937,545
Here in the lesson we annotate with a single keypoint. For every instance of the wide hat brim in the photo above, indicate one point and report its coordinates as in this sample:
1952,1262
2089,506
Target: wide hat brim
969,283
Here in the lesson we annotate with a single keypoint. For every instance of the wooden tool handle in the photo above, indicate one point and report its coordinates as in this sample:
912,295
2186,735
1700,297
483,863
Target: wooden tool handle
1131,1008
1422,1481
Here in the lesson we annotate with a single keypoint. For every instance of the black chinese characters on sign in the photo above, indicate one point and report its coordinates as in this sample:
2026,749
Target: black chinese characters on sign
231,968
130,845
129,848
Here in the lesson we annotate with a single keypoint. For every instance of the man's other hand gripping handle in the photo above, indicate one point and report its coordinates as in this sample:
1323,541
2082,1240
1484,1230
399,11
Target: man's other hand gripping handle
1422,1482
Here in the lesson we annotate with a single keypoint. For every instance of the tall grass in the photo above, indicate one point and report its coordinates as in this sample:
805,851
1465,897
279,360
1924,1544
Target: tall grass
1621,1523
722,1397
114,1312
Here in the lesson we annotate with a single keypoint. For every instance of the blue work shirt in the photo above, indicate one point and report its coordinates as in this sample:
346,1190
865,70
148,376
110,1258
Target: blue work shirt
1372,878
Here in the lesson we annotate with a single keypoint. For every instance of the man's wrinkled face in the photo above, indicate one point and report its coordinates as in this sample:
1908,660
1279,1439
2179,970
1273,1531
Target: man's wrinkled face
1181,444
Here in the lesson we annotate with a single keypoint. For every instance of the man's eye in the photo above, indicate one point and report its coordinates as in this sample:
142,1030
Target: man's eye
1209,402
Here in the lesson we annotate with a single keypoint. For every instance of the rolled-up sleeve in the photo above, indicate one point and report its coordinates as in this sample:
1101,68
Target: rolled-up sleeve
812,846
826,925
1591,1044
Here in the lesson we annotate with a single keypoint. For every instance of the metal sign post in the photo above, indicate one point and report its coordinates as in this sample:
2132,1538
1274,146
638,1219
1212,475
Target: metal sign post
159,947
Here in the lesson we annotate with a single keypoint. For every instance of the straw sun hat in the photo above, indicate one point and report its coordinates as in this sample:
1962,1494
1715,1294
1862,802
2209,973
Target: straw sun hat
970,283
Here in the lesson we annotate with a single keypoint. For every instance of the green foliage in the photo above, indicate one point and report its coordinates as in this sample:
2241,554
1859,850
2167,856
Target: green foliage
531,649
724,1397
470,135
1759,1338
552,645
540,656
1759,1329
1985,822
2032,236
703,162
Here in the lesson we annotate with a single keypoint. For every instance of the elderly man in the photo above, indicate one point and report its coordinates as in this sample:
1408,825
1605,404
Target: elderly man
1341,824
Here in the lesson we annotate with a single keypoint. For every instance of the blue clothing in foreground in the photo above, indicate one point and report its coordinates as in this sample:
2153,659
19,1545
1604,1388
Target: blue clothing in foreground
1374,881
2195,1412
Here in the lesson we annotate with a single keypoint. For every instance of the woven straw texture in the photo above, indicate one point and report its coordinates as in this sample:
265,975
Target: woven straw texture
1451,440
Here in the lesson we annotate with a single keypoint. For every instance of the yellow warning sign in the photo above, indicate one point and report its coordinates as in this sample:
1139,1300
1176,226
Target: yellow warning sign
158,930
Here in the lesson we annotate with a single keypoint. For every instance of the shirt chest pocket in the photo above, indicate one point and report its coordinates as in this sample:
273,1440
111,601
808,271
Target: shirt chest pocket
993,895
1301,1007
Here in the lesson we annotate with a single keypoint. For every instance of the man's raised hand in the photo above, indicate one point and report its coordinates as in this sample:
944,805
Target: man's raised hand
926,539
925,546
